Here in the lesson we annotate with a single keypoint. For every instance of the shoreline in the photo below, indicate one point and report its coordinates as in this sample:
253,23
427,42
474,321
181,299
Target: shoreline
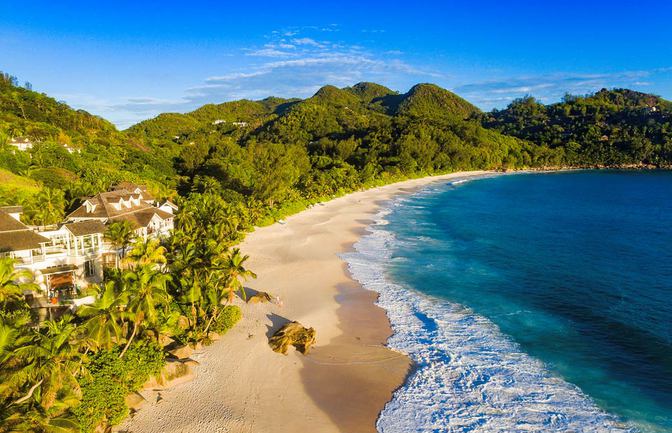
348,377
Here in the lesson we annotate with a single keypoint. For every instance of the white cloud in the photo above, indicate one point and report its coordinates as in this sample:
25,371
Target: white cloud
307,41
269,52
234,76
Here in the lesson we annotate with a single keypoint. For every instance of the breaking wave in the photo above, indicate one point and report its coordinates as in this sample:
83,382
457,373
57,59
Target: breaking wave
468,375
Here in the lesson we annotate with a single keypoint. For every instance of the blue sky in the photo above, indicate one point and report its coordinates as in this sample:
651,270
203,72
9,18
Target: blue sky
128,61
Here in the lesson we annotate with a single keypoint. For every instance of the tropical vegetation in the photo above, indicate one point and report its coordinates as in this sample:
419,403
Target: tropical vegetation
73,374
230,167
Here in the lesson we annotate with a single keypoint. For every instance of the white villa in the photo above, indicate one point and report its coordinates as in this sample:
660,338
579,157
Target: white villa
21,143
61,259
127,203
74,254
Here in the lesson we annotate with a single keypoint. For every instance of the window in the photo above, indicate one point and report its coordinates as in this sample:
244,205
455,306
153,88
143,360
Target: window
89,268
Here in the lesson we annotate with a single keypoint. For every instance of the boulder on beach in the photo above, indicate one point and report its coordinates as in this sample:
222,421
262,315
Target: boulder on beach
181,352
293,334
259,298
134,400
173,373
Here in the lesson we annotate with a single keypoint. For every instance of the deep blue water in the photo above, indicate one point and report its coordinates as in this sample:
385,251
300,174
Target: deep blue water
574,268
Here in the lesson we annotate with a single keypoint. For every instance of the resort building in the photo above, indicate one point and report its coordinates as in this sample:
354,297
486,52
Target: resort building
135,189
74,254
62,260
135,206
169,206
21,143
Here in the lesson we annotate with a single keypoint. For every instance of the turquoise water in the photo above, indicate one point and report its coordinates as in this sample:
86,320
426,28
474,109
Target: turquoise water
531,302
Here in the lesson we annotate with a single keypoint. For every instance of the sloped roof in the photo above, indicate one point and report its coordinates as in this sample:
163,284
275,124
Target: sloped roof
132,188
82,228
7,223
170,204
12,209
21,240
15,236
142,217
104,208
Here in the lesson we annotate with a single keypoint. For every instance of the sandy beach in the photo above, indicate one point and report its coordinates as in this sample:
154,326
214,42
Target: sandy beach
344,382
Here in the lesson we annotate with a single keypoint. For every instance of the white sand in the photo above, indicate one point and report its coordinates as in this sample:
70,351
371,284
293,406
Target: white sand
243,386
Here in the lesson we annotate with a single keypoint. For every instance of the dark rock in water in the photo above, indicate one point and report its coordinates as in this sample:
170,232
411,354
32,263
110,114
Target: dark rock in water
294,334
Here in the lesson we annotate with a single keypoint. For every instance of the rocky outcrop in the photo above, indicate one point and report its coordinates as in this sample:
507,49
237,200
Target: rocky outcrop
293,334
181,352
259,298
174,373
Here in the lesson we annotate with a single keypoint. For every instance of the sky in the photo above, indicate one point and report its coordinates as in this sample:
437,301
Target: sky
131,60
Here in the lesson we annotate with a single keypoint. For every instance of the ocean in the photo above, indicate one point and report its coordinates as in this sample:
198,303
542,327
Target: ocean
528,302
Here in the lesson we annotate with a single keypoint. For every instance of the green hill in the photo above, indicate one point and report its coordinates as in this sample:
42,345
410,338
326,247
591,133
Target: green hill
343,138
429,101
275,152
368,92
610,127
72,150
27,113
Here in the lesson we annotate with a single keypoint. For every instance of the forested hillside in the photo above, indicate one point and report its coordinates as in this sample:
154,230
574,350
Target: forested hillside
610,128
270,157
231,166
74,154
274,152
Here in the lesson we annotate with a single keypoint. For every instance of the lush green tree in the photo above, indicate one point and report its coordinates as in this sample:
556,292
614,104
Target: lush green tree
13,282
120,234
147,252
277,168
146,293
47,207
102,320
52,361
236,273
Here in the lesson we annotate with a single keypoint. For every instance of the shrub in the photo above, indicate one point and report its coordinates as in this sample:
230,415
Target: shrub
111,379
229,317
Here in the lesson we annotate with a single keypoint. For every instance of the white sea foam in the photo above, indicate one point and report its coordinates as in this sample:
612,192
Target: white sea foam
469,377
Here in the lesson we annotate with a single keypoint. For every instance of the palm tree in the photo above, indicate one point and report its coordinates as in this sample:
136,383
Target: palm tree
53,361
146,292
120,234
148,252
236,272
49,206
40,421
225,282
13,282
103,319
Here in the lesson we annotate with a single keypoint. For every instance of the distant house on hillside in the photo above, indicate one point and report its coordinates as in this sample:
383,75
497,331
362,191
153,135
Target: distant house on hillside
71,149
218,122
239,123
124,205
21,143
